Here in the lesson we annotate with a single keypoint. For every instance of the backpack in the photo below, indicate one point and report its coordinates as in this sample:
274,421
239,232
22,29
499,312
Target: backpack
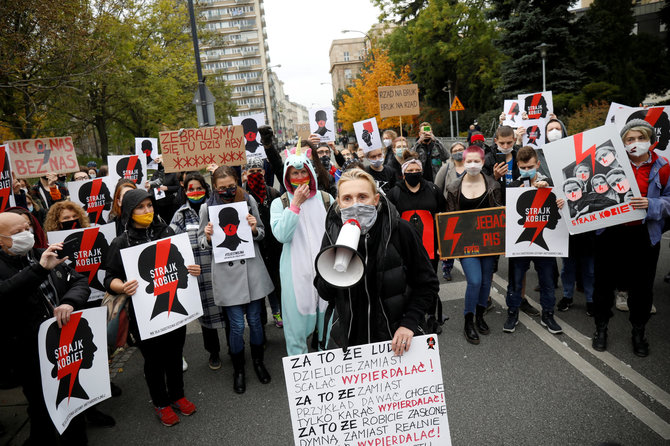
325,197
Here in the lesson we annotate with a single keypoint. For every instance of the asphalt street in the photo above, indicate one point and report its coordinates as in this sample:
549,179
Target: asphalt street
525,388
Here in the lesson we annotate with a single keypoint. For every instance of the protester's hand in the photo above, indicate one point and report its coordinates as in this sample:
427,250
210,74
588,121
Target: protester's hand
193,270
147,186
560,203
49,259
333,147
314,139
130,287
209,230
519,132
62,314
266,135
500,170
212,167
252,222
540,184
16,185
552,116
51,179
502,117
401,340
639,202
524,115
159,159
163,188
300,195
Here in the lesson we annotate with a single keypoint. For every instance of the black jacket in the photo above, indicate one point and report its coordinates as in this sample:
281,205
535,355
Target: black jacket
493,157
269,246
493,194
398,289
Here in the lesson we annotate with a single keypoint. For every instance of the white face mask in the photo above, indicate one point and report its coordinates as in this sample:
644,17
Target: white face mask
473,168
505,151
554,135
387,142
638,148
22,242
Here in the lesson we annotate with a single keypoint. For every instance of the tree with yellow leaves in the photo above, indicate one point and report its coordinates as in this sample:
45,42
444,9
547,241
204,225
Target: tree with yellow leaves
361,101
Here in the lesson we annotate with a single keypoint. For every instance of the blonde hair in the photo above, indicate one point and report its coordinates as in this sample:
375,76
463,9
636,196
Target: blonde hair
357,174
646,131
52,221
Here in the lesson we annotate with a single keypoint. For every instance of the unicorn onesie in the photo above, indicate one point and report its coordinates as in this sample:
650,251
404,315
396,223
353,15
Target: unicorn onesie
301,232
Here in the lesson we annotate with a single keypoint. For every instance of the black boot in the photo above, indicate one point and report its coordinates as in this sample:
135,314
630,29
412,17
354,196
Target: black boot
239,385
480,323
640,344
599,342
469,329
259,367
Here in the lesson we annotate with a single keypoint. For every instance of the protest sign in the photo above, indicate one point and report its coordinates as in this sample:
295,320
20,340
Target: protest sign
131,167
534,135
167,296
512,113
193,149
303,131
537,105
367,135
592,172
86,250
534,227
73,364
232,238
368,396
252,138
322,123
36,157
480,232
149,148
657,117
6,181
95,196
614,107
398,100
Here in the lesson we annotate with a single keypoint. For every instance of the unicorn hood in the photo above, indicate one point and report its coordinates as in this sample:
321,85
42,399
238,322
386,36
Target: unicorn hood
299,157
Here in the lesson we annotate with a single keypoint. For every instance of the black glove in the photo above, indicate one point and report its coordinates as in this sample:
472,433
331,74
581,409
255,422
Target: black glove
267,135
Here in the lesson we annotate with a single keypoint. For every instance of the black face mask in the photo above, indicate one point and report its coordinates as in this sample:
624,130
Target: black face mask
72,224
325,160
227,194
413,178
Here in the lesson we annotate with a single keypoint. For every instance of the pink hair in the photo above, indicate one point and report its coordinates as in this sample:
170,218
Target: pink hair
474,149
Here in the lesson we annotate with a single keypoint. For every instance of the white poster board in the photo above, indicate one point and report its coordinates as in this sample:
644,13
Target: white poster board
534,134
534,225
512,110
252,137
601,200
86,249
614,107
132,167
232,238
95,196
537,105
322,122
167,296
149,148
367,135
657,117
368,396
73,364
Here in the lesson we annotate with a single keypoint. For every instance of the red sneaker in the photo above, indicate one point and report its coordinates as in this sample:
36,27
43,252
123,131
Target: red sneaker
184,406
167,415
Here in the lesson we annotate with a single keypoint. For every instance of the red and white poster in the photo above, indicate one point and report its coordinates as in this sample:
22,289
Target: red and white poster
6,181
657,117
95,196
86,249
367,135
534,135
252,137
537,105
149,148
131,167
512,112
591,171
36,157
322,123
168,297
369,396
232,238
73,363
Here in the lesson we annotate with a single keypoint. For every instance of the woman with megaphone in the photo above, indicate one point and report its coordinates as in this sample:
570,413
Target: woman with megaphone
397,285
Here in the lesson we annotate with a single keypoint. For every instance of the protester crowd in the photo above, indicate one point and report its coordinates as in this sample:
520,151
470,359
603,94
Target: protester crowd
393,195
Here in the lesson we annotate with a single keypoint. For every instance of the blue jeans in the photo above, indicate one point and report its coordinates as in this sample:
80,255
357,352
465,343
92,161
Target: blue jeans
569,273
479,275
545,272
236,317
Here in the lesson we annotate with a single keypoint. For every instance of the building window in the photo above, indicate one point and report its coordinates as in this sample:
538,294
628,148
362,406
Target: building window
346,56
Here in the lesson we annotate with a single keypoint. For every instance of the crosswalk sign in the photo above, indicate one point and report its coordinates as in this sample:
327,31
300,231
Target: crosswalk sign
457,105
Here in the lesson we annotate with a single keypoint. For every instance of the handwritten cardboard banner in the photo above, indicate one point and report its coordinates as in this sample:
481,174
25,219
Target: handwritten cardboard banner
480,232
36,157
303,131
194,149
368,396
398,100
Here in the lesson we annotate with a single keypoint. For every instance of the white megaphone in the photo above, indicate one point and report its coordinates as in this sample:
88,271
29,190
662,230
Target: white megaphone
340,264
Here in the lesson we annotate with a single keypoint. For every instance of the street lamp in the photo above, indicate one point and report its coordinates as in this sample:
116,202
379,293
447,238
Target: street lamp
203,100
344,31
447,89
542,48
265,107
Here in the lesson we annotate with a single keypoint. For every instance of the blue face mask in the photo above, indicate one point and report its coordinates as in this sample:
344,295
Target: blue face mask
530,173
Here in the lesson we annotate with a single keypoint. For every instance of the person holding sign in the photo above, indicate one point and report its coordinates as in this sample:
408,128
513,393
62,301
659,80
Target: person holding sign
640,240
475,190
49,190
36,285
162,354
399,285
65,215
431,151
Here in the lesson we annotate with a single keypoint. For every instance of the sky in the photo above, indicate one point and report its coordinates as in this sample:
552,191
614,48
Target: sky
299,36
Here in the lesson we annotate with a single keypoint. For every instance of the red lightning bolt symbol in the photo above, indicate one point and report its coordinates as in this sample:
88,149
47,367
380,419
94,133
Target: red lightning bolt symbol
162,252
539,200
580,154
533,106
511,111
66,337
449,233
95,191
652,118
87,241
4,192
368,126
131,166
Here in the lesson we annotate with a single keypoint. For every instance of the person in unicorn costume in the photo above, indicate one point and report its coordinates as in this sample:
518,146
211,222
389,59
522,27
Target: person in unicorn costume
298,220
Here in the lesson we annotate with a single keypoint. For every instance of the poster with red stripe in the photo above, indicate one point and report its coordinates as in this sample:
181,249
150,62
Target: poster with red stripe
534,225
6,181
534,135
95,196
367,135
73,364
86,249
512,111
537,105
167,296
658,117
132,167
591,171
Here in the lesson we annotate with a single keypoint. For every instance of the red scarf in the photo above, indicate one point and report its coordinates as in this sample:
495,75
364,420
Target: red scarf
256,184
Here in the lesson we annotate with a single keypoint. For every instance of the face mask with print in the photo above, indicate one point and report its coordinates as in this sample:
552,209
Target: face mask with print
70,224
473,168
574,195
196,196
638,148
622,186
22,242
299,182
364,214
554,135
601,188
228,193
583,176
607,159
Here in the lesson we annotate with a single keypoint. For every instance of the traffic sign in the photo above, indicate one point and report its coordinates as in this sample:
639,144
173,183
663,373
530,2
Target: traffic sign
457,105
